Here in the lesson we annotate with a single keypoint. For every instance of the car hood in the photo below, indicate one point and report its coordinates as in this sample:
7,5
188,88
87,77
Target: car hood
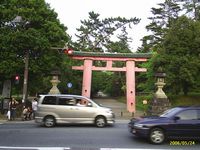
147,119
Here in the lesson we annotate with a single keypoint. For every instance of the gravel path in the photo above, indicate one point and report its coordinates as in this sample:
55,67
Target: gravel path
119,108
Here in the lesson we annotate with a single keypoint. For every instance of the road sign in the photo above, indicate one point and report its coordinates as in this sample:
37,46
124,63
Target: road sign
69,85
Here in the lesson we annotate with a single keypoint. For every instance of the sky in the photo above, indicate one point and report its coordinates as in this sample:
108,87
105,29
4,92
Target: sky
71,12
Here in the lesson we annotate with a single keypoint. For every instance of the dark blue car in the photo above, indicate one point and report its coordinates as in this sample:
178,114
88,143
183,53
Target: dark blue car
178,122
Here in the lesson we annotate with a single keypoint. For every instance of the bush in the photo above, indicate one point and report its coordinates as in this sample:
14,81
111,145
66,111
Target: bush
139,101
182,100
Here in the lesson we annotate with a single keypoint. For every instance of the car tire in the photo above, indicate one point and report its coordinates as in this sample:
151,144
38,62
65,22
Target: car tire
100,121
157,136
49,121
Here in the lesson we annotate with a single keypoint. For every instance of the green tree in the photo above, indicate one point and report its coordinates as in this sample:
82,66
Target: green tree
35,31
192,8
180,55
161,20
96,34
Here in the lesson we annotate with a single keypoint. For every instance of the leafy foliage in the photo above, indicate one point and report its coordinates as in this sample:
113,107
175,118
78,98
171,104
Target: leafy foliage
95,34
161,20
180,54
33,26
29,26
175,39
192,9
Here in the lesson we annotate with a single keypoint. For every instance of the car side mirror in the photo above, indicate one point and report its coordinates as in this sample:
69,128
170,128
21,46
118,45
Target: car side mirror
176,118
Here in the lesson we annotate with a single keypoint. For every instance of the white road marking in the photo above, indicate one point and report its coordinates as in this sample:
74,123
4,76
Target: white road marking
34,148
128,149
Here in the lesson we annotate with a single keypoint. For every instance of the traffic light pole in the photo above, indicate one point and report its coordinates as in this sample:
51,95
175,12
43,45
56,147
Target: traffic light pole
26,61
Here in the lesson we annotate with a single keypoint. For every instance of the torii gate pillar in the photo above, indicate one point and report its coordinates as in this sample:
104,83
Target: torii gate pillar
87,78
130,85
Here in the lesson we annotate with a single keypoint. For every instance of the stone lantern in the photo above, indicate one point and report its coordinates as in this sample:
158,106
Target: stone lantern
160,102
54,81
160,84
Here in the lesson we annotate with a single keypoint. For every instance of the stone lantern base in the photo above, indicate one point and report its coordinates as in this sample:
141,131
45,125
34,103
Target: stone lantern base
158,106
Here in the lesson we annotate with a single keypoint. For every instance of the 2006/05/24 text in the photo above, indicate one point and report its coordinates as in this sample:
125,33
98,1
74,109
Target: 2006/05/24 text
182,143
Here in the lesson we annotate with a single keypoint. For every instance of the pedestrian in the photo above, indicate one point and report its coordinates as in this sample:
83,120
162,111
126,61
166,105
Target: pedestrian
13,106
8,114
34,107
26,113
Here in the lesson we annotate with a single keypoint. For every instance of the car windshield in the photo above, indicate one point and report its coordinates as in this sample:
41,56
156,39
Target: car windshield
170,112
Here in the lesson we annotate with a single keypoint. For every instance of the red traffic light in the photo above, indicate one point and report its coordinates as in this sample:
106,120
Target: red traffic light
68,51
16,77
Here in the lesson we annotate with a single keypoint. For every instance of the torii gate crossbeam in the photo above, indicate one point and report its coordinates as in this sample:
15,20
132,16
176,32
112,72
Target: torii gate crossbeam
130,69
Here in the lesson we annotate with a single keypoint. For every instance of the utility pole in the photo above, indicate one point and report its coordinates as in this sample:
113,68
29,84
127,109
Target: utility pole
19,21
25,85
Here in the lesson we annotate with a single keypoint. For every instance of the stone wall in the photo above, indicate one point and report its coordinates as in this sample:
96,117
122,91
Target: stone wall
158,106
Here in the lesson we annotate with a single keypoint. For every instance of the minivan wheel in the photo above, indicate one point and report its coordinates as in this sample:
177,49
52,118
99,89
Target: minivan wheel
157,136
49,121
100,121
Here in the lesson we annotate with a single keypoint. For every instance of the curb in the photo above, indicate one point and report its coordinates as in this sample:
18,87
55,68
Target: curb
33,121
13,121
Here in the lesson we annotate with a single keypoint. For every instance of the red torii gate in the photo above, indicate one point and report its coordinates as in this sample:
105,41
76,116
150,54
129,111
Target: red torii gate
130,69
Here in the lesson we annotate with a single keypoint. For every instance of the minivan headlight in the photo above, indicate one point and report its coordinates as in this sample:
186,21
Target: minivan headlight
109,111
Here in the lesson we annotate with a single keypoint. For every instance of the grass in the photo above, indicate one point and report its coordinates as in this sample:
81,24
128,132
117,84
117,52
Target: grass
3,116
139,101
181,100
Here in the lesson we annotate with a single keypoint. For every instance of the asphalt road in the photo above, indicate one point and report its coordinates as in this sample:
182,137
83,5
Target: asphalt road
30,136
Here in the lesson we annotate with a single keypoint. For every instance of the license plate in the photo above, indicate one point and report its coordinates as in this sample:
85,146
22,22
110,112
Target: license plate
133,131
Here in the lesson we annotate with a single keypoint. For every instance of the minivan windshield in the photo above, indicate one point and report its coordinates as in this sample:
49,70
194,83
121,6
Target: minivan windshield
96,103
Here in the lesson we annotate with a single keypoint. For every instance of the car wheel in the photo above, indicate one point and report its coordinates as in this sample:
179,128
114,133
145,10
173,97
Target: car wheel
49,121
100,121
157,136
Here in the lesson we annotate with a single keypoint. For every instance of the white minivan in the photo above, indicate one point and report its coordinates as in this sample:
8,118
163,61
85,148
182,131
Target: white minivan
55,109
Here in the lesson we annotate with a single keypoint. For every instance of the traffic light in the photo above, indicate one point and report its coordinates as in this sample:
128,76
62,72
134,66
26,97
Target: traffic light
17,77
68,51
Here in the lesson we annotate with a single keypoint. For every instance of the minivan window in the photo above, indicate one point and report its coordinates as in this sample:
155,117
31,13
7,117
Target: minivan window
49,100
81,102
66,101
